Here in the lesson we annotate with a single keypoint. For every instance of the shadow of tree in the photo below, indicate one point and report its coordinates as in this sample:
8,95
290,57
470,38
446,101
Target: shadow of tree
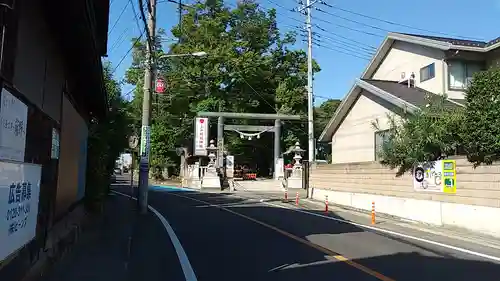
391,256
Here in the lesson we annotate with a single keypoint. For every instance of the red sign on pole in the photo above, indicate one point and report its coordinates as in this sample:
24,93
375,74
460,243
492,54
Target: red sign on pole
160,85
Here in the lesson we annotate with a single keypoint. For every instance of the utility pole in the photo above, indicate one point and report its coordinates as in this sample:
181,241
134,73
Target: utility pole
310,98
146,112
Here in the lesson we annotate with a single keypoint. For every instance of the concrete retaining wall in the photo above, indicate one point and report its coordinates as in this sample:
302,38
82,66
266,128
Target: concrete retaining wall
475,206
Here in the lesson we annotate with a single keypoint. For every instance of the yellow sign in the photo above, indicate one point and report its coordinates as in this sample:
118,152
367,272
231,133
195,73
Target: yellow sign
449,176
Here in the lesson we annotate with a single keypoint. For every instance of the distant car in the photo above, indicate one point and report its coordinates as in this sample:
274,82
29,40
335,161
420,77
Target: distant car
117,171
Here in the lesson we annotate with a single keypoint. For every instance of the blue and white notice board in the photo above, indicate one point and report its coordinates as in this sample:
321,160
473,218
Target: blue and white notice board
19,194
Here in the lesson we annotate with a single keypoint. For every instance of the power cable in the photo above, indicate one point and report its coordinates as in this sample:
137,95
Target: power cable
395,23
353,21
119,17
344,37
128,52
350,28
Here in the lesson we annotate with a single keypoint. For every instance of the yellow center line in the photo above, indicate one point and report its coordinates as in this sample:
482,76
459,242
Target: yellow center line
330,254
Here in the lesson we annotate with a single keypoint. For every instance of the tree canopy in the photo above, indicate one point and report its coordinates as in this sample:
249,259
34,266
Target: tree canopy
107,139
322,115
437,131
251,67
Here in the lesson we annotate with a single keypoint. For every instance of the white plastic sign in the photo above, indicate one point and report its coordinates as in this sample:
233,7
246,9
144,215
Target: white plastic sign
200,136
19,192
13,120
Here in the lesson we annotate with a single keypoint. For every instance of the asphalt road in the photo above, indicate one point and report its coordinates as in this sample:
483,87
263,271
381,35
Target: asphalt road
248,240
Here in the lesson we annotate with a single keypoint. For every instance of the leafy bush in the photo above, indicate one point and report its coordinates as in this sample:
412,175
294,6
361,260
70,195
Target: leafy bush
107,139
432,133
481,134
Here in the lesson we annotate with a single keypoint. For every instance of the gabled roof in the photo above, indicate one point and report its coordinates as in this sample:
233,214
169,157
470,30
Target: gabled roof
400,95
459,42
441,43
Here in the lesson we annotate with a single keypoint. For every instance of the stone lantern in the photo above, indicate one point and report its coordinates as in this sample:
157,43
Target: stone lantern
211,154
211,179
295,179
298,156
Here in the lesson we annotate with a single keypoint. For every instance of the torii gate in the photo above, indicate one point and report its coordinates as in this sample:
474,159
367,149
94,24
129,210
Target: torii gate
253,128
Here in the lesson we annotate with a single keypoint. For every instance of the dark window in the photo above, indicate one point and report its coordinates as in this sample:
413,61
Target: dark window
380,138
460,73
427,72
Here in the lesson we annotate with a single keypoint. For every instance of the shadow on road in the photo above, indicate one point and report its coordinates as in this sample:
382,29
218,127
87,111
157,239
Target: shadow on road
277,257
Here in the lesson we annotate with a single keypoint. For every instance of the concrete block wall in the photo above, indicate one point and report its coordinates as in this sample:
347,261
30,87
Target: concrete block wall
475,206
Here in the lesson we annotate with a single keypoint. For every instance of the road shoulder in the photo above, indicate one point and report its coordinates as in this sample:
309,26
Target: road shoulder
120,246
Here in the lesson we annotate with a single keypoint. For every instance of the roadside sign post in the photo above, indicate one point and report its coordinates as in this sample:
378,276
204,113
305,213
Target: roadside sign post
160,86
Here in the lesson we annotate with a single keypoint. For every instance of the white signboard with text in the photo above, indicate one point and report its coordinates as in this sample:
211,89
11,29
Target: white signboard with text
437,176
200,136
19,192
230,166
145,144
427,177
13,118
278,168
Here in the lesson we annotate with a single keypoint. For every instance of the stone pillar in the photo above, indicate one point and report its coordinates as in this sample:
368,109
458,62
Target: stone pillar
277,148
194,176
220,141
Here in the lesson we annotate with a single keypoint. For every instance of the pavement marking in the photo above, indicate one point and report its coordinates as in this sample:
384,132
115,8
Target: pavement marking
187,269
376,229
326,251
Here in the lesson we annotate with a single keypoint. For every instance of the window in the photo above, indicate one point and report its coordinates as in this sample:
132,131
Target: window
381,137
460,73
427,72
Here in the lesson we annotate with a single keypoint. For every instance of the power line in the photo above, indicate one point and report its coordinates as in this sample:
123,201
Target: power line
395,23
350,45
136,15
353,21
128,52
344,37
350,28
329,32
121,38
333,48
119,17
360,50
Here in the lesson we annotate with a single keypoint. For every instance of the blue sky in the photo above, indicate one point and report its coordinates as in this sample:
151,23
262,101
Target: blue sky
336,34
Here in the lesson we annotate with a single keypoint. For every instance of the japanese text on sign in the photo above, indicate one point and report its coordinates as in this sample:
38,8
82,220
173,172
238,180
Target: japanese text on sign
437,176
18,206
19,192
201,136
13,119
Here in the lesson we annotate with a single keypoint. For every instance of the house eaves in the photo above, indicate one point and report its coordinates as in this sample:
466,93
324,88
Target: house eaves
386,46
422,41
352,97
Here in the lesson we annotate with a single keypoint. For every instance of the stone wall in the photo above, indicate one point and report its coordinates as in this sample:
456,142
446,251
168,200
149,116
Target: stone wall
475,206
480,186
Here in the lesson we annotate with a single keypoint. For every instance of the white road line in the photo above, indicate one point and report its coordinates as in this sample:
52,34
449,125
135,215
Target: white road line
458,249
187,269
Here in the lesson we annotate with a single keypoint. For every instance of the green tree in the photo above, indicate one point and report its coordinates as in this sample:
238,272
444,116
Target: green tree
481,130
429,134
107,139
323,114
250,68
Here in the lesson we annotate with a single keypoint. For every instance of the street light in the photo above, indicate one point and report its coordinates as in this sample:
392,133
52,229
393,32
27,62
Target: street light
195,54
